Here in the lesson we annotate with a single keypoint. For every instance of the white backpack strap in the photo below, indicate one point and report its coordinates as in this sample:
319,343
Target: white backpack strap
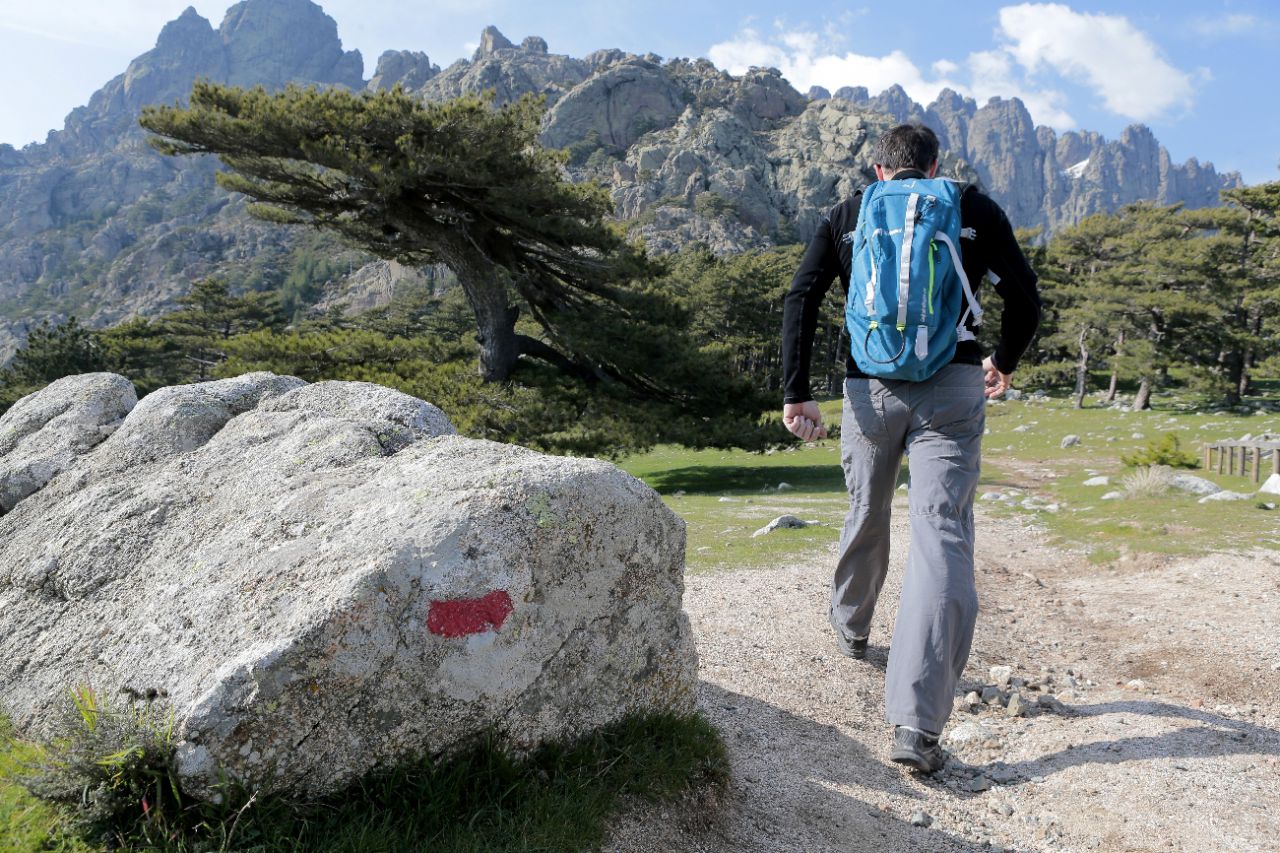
873,284
973,309
904,260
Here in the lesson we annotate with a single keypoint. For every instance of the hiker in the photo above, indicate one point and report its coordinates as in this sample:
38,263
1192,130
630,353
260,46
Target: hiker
916,382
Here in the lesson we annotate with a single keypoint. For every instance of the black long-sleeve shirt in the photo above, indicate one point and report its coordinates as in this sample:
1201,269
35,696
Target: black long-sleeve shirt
993,249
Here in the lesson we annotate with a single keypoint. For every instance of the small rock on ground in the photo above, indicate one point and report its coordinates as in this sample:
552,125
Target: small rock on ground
789,522
1225,495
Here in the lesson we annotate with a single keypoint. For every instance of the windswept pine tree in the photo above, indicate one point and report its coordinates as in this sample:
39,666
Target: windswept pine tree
560,300
459,183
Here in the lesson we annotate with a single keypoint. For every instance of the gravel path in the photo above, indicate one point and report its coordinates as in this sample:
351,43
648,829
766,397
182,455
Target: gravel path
1165,732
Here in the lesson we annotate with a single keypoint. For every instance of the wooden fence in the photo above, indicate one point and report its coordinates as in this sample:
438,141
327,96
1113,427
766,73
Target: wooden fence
1228,452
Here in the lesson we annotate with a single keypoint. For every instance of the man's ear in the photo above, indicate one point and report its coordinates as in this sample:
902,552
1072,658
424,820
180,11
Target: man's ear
879,172
933,168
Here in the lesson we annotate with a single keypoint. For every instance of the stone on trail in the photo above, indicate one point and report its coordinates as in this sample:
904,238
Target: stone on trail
324,579
1000,675
921,818
1097,481
44,433
1113,496
1271,486
1070,441
1016,707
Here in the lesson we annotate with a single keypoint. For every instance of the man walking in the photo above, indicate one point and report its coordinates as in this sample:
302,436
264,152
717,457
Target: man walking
937,421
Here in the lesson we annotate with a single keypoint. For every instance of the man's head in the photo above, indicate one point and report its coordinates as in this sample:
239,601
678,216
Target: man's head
907,146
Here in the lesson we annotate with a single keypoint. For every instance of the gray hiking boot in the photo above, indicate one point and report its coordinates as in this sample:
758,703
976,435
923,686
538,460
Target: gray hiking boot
917,750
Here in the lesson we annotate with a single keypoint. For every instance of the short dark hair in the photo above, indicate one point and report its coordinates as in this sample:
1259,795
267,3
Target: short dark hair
907,146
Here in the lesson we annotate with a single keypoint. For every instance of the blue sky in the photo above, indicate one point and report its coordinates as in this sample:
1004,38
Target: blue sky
1203,75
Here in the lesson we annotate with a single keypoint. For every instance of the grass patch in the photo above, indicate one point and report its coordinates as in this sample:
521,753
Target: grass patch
558,799
1169,523
27,824
725,496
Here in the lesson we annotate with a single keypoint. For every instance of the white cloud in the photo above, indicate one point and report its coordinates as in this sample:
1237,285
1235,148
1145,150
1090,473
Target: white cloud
1228,25
1035,43
992,74
1105,52
807,60
944,68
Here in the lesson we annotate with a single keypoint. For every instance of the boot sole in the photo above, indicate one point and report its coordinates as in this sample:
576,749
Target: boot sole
914,760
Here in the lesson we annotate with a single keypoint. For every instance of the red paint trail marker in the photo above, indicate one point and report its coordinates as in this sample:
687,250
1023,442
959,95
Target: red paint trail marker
462,617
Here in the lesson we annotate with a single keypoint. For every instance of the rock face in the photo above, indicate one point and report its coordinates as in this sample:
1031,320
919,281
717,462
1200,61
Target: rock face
43,434
321,579
616,105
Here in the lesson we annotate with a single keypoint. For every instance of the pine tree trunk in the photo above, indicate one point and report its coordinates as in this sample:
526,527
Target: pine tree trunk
1082,371
1242,384
1235,377
1142,400
486,290
1115,375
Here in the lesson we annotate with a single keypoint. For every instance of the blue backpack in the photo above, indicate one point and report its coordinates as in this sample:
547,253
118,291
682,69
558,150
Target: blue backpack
907,284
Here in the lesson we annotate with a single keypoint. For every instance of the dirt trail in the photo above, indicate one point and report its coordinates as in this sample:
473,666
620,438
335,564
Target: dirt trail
1167,735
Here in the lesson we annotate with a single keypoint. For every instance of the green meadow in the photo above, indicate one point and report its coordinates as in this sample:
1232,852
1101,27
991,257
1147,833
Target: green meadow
724,496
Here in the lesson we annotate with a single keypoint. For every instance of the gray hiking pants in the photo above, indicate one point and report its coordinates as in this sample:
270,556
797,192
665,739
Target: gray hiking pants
939,423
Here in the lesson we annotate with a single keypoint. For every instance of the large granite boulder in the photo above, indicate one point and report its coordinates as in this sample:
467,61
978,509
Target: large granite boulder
323,579
43,434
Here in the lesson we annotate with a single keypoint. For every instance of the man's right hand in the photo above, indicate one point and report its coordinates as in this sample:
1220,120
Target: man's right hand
803,420
997,383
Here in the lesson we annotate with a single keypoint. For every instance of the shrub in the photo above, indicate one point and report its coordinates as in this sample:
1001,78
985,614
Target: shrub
713,205
1149,482
1164,450
113,770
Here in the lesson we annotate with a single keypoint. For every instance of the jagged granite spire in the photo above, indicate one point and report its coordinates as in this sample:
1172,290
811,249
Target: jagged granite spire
274,42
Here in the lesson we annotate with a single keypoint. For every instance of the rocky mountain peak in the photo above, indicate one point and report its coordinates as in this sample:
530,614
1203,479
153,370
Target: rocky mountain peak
952,101
491,41
187,28
410,68
274,42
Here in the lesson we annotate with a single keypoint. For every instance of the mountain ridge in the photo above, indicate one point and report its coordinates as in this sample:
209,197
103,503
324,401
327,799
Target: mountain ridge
93,222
